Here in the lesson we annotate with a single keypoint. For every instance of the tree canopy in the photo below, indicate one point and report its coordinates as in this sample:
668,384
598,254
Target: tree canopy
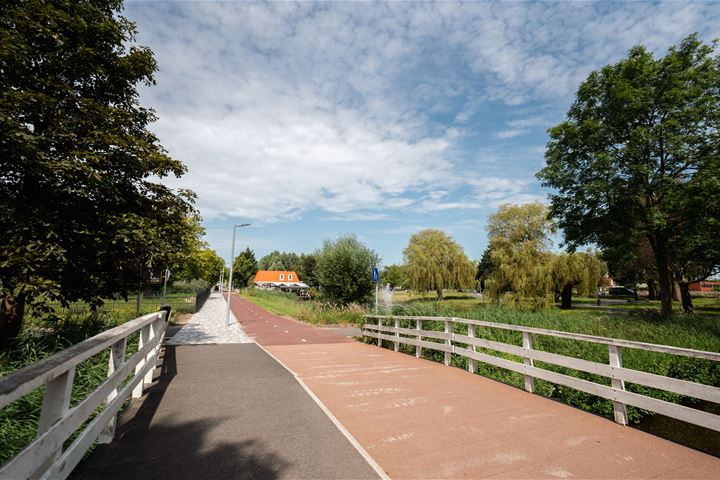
581,271
434,261
394,275
343,269
519,245
276,260
244,268
638,158
84,214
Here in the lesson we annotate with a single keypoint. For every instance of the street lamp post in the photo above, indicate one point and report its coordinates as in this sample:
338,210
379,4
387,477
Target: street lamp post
232,260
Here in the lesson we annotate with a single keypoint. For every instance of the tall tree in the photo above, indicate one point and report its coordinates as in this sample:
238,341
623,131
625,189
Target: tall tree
244,268
581,271
486,267
202,264
344,269
519,245
306,269
276,260
83,211
434,261
637,157
394,275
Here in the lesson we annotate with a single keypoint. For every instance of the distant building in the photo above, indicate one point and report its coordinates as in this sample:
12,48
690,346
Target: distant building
279,279
706,286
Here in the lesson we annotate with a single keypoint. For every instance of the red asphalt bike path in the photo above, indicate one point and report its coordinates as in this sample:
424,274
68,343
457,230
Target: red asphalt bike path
420,419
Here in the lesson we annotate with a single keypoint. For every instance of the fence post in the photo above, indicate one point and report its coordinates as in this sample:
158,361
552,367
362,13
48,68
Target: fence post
447,342
529,380
471,361
619,408
56,403
150,358
397,335
117,357
418,348
144,334
379,340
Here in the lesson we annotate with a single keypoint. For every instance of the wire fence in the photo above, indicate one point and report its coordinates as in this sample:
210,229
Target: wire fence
180,301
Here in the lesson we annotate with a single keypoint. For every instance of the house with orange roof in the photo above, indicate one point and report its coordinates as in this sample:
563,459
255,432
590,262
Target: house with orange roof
282,279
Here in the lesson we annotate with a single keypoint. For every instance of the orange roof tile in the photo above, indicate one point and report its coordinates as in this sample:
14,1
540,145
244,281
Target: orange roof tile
274,276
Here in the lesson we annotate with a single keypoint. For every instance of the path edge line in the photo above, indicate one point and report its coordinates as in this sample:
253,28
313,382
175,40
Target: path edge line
366,456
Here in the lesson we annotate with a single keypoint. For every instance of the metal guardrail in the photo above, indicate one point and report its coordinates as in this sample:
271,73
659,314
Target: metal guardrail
45,456
613,370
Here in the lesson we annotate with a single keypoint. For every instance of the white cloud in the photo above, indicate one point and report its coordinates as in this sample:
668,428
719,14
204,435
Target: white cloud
510,133
280,108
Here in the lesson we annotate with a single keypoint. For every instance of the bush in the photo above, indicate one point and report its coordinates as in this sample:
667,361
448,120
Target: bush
344,270
194,284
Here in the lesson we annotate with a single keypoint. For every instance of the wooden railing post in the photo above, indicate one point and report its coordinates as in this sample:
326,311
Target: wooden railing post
117,358
379,340
150,358
448,329
397,335
471,362
56,403
619,408
418,348
142,341
529,380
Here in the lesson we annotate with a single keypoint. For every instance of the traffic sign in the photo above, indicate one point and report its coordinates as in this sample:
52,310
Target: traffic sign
376,275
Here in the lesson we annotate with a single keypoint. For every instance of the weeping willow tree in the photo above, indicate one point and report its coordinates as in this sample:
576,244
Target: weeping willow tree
520,250
435,261
581,271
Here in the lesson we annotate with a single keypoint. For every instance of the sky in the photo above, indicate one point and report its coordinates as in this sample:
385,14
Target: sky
311,120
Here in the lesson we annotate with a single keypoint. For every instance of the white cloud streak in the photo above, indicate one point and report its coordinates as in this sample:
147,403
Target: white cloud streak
282,108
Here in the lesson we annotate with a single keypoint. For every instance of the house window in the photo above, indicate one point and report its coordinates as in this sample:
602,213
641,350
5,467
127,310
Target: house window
282,276
289,276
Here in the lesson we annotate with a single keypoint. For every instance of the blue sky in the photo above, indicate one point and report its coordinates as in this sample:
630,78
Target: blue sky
310,120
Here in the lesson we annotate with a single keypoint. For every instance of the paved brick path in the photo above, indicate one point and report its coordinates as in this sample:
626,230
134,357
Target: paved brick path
420,419
208,326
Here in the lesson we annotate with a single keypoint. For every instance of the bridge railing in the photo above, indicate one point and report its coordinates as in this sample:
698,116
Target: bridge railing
45,456
613,370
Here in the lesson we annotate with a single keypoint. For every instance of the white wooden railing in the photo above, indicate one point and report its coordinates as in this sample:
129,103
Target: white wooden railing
45,456
613,370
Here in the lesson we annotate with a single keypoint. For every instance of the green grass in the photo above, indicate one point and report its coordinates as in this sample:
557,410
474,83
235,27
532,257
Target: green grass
310,311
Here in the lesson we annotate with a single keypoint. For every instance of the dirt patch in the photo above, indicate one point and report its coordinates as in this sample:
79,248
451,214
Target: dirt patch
181,318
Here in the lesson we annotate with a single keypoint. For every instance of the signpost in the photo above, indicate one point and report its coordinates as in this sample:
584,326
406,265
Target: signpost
376,280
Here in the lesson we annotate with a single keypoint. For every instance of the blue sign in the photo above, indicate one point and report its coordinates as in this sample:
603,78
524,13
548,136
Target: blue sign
376,275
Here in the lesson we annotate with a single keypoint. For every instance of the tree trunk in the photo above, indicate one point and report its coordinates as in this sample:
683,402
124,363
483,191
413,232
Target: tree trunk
685,298
439,293
676,294
12,311
652,290
566,296
665,283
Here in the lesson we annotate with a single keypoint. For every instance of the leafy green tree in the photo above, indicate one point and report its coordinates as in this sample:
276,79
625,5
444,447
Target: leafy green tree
306,269
638,158
276,260
394,275
202,264
583,271
434,261
244,268
486,267
84,215
519,245
344,269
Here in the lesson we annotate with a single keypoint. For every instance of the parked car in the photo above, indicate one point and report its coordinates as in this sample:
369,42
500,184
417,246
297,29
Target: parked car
621,292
